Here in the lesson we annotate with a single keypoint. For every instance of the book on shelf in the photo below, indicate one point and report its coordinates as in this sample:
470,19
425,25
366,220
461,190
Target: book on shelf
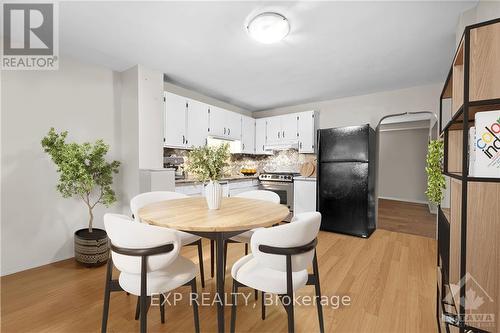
484,151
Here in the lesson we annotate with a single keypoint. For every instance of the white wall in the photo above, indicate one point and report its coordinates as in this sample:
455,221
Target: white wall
366,109
402,164
37,223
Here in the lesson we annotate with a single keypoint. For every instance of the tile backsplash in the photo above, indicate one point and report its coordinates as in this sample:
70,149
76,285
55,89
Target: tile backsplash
285,160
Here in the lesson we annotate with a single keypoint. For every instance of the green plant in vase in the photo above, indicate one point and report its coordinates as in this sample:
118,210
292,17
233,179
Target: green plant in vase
85,174
435,179
207,164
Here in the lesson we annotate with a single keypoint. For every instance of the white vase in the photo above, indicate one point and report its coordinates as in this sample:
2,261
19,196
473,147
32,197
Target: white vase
213,194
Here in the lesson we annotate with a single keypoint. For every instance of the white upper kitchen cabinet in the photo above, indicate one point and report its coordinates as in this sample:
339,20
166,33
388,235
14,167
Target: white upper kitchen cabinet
260,137
197,123
281,129
307,125
247,135
224,124
288,128
233,124
216,122
175,120
273,130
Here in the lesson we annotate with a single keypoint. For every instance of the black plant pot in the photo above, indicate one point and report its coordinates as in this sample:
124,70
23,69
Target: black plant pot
91,248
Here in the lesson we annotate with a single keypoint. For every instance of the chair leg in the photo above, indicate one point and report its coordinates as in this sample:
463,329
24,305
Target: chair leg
200,258
256,294
212,258
233,306
138,308
263,306
162,308
225,257
107,294
144,297
318,294
195,307
290,314
246,248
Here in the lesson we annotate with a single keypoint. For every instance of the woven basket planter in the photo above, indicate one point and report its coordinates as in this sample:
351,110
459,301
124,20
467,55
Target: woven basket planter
91,248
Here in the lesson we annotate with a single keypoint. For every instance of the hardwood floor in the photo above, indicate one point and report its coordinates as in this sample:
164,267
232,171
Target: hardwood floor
406,217
390,279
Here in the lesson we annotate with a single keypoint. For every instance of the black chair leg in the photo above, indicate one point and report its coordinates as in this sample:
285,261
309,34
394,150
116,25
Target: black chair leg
162,308
195,307
290,314
233,306
138,308
212,258
246,248
107,294
225,257
256,294
318,294
143,297
263,306
200,258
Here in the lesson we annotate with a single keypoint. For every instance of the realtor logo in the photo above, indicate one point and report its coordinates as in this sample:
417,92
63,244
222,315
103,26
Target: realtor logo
30,36
476,301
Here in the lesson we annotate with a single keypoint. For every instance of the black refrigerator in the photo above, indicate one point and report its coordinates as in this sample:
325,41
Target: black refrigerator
346,180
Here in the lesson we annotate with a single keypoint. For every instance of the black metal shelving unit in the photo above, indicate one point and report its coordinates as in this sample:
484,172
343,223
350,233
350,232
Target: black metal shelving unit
461,121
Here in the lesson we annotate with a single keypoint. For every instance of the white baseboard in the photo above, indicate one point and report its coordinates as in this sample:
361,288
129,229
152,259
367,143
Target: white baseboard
405,200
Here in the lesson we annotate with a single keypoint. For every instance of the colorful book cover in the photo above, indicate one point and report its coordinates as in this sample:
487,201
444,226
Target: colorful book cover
487,162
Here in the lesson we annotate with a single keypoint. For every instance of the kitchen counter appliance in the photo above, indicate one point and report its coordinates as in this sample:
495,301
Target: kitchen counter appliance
280,183
346,185
174,162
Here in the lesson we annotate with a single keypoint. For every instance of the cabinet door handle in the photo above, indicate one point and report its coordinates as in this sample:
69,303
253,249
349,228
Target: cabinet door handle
243,146
224,130
301,145
283,134
183,139
278,135
228,131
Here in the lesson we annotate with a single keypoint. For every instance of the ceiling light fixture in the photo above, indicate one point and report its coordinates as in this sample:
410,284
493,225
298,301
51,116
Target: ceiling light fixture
268,27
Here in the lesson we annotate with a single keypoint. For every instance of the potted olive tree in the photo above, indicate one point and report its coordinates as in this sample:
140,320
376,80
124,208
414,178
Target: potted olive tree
207,164
84,174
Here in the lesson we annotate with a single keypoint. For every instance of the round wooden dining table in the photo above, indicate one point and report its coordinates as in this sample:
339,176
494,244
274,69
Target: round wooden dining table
235,216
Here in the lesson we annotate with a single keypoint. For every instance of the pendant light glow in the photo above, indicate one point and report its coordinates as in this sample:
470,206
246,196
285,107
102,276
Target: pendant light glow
268,27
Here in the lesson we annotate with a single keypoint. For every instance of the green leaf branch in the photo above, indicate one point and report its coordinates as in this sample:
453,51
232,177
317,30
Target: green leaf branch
83,170
435,180
208,163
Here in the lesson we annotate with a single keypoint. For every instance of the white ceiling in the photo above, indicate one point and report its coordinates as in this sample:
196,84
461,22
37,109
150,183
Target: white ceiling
334,49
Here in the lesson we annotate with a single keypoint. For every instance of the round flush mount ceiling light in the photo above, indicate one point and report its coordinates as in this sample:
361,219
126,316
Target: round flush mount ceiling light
268,27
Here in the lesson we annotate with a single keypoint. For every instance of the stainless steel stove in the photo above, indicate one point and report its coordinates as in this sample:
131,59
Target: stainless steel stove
280,183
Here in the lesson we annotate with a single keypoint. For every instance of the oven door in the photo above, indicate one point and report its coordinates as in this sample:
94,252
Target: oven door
284,190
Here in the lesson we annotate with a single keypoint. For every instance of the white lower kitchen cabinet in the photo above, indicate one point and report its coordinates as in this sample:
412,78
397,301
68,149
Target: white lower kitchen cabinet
239,186
304,195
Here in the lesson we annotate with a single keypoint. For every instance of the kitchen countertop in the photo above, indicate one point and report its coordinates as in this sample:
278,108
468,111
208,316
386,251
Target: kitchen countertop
230,178
302,178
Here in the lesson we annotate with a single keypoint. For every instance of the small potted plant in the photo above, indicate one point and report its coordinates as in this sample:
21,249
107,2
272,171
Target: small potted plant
435,179
84,174
207,164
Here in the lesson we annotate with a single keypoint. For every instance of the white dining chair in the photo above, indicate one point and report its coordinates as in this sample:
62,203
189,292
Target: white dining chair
278,264
257,195
149,264
187,239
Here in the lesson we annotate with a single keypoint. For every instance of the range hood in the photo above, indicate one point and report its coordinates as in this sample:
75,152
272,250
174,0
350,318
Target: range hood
282,146
234,145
